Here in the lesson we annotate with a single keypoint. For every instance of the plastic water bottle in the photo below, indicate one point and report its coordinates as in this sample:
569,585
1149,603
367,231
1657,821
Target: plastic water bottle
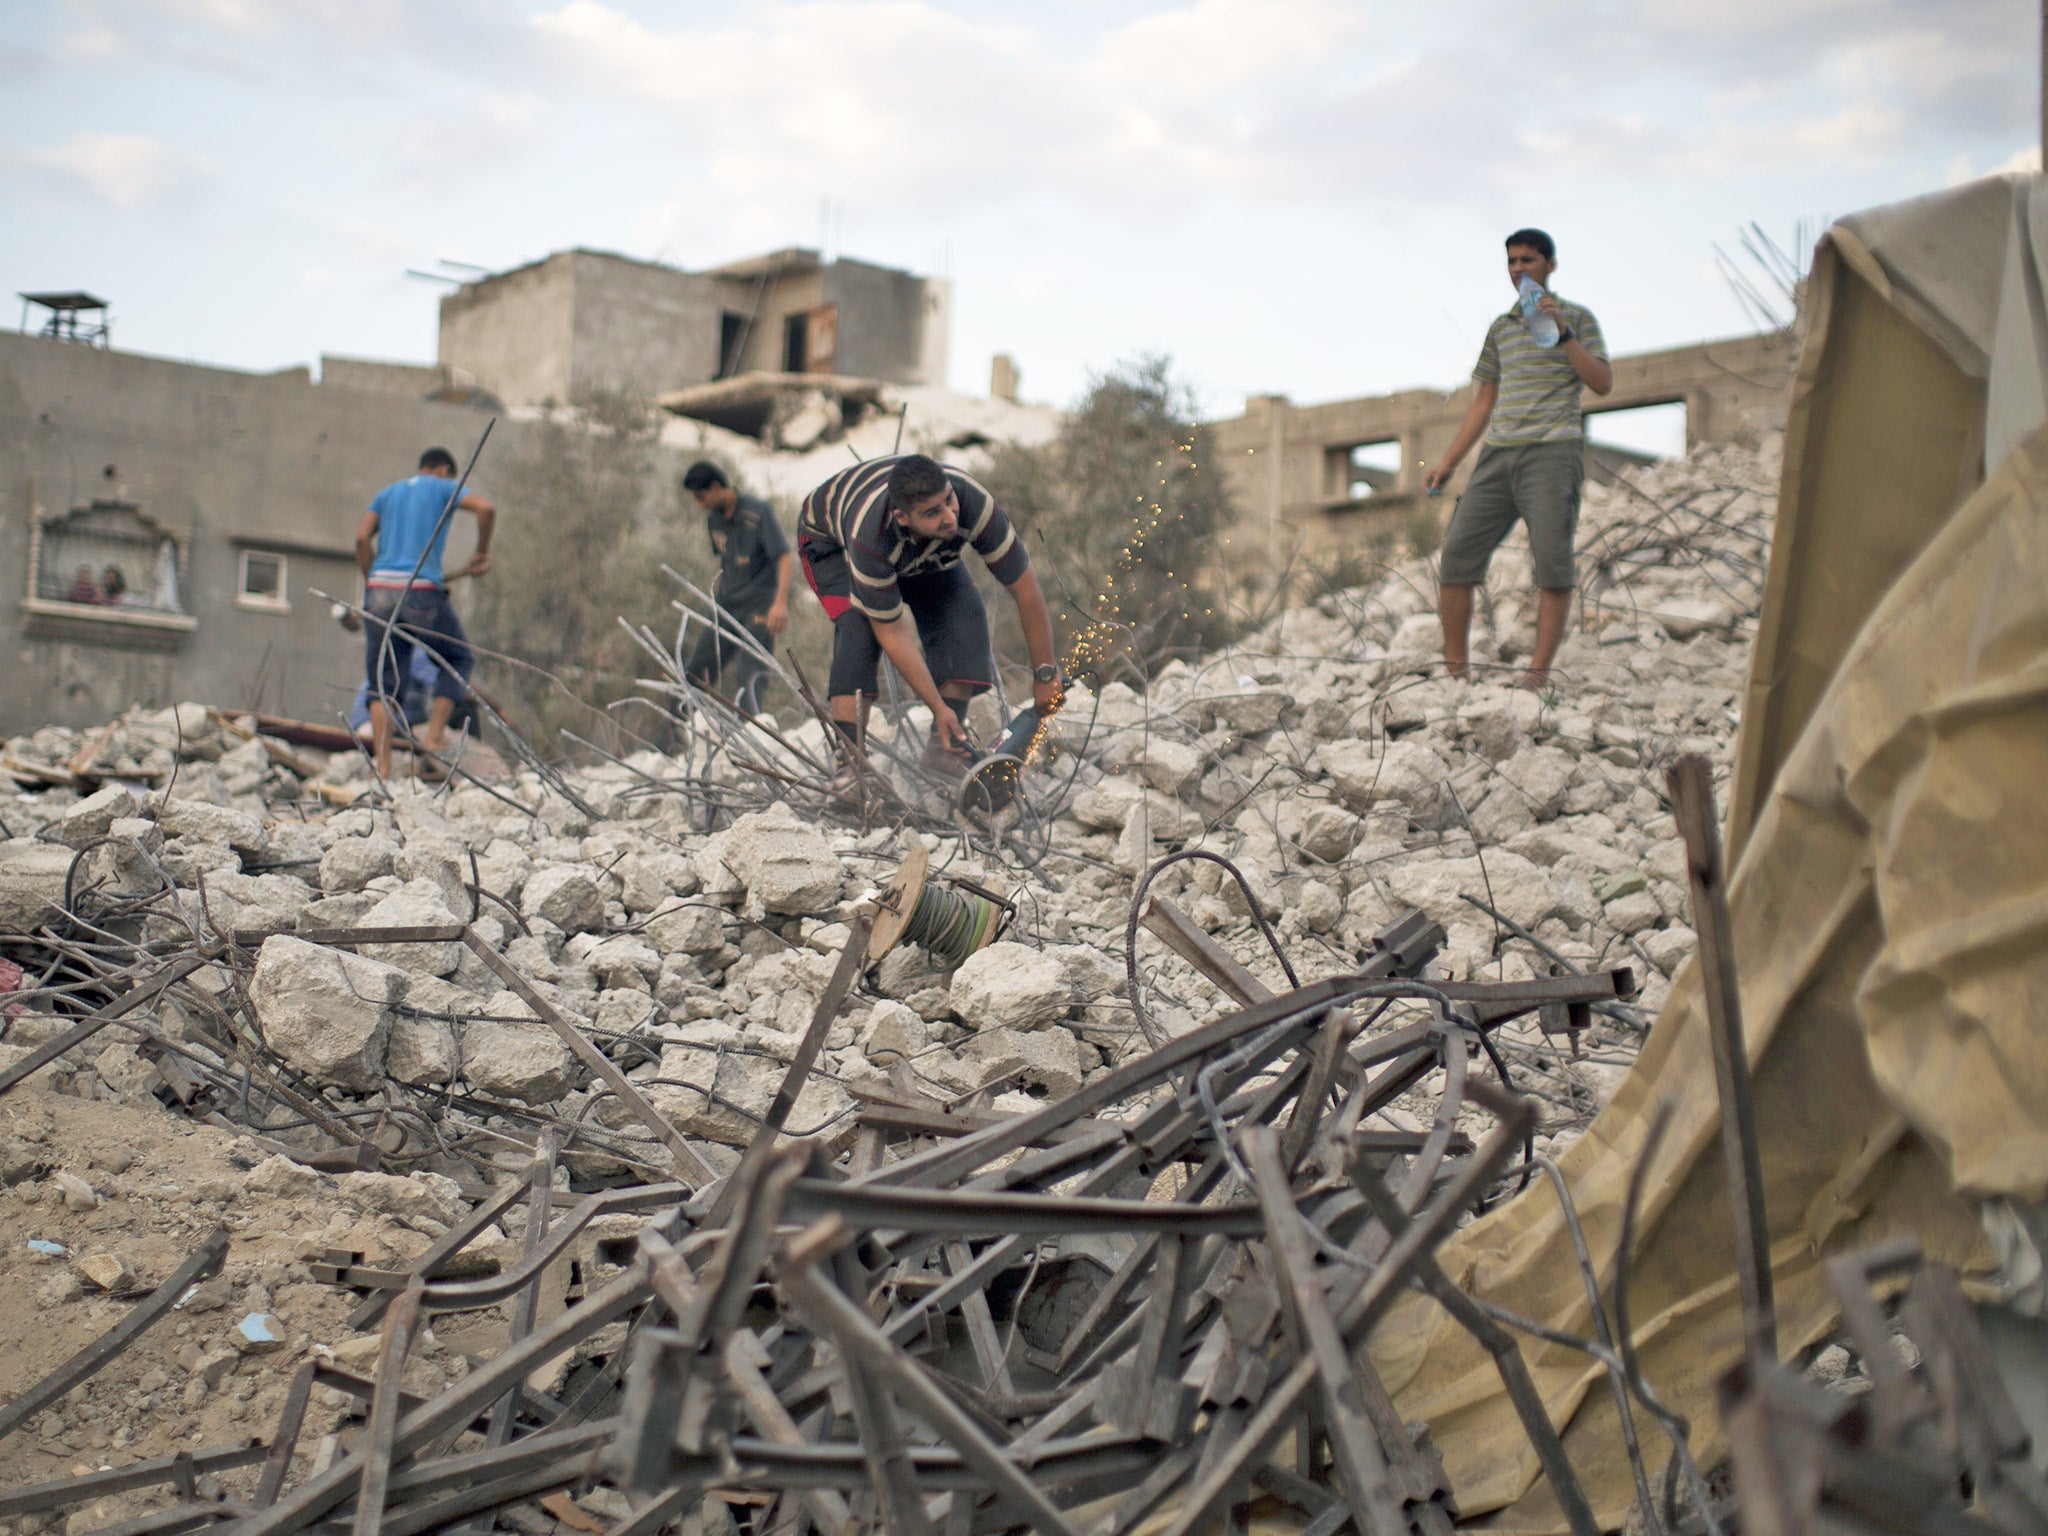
1542,328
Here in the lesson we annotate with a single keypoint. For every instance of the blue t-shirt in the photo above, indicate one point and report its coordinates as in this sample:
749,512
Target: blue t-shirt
407,511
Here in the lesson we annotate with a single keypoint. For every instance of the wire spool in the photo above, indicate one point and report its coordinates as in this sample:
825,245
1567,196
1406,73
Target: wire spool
949,924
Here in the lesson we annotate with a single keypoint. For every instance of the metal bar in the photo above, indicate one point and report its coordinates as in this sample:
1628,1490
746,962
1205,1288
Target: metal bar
444,1248
857,1337
1507,1359
286,1440
204,1261
378,1438
961,1212
1361,1462
1692,802
743,1359
1181,934
1368,1300
900,1504
33,1498
456,1406
93,1023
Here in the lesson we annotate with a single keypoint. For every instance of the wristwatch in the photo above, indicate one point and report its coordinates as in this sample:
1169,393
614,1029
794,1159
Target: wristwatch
1567,334
1045,674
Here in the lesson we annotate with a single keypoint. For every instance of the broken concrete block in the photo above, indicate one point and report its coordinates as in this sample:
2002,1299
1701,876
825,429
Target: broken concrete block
893,1032
785,864
1327,832
31,884
416,904
565,895
625,960
195,821
1171,766
691,930
353,862
94,816
1613,886
1405,772
1048,1059
1668,948
433,1196
1632,913
1318,906
275,1175
515,1057
1010,986
423,1046
327,1012
1543,775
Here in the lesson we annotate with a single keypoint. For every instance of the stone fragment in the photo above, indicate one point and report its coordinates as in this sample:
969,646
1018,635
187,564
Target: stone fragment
1633,913
94,816
1328,832
431,1195
1010,986
1612,887
565,895
107,1271
258,1333
625,960
31,884
1170,766
327,1012
785,864
420,903
1406,772
517,1057
1047,1059
1668,948
893,1032
696,929
1544,777
195,821
1318,906
276,1175
1518,888
78,1194
353,862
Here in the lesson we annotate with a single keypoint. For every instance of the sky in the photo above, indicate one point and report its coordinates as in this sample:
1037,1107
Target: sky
1304,197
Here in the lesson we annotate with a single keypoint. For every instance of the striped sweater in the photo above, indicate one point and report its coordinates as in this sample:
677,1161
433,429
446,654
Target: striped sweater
851,511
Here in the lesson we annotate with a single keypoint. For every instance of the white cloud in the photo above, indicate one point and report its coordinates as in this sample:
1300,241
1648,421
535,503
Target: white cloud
126,170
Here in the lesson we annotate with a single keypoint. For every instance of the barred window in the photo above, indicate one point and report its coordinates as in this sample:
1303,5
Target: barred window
108,554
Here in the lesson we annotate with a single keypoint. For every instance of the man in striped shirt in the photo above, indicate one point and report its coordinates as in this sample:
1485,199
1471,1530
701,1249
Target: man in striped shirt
882,540
1527,404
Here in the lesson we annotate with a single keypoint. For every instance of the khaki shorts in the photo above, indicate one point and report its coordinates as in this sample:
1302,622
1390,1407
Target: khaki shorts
1536,482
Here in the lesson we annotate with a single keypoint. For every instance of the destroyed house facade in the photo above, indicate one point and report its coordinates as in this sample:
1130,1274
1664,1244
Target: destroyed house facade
221,499
579,321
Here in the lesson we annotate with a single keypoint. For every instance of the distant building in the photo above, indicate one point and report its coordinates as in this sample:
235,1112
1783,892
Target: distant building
581,320
220,496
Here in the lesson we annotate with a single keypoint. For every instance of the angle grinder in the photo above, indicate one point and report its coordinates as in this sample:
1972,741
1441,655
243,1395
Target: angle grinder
991,784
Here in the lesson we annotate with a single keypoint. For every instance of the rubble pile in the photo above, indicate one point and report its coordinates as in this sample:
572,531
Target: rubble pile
613,968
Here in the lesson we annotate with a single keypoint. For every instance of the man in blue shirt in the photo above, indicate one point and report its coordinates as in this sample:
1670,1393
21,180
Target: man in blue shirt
398,548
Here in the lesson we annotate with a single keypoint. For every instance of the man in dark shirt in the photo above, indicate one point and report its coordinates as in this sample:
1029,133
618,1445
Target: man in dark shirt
752,588
884,538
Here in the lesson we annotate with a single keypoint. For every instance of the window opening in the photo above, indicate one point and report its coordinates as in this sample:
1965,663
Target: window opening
263,581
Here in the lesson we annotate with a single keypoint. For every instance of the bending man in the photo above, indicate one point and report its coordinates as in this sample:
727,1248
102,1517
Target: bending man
881,545
399,541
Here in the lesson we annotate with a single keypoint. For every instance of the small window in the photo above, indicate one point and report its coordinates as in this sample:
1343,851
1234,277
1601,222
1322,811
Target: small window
263,581
1361,471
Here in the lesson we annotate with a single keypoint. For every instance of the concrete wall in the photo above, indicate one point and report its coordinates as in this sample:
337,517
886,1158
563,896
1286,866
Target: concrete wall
784,294
892,324
415,379
514,333
224,461
638,326
1288,464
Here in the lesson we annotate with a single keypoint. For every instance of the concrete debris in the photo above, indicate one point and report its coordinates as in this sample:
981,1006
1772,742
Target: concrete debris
623,960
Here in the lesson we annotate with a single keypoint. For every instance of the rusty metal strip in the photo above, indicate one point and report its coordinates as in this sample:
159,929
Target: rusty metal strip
399,1323
286,1440
857,1338
1691,783
142,992
34,1498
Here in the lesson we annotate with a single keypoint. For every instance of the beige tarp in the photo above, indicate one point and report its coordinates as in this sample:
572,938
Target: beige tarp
1890,903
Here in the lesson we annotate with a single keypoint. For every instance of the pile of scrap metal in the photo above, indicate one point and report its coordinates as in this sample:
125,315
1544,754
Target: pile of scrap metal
1152,1292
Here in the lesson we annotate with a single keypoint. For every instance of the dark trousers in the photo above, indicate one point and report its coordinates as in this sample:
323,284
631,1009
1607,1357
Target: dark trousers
422,616
718,654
